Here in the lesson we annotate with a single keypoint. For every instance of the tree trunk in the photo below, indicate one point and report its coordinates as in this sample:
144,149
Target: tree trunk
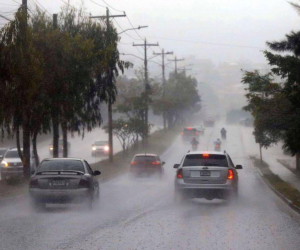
298,162
55,125
35,153
26,149
18,142
65,139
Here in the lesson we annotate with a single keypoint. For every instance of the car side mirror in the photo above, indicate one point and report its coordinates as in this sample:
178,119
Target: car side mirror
176,165
163,163
238,167
97,172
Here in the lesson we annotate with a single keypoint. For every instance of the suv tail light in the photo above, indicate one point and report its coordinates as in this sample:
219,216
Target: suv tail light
34,183
230,175
179,174
83,184
133,163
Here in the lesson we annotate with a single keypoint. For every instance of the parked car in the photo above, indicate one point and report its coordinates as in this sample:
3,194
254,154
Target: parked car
189,133
146,164
63,180
11,165
60,147
206,175
100,148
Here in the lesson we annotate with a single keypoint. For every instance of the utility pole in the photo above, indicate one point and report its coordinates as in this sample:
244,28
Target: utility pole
109,73
163,53
176,60
54,21
147,86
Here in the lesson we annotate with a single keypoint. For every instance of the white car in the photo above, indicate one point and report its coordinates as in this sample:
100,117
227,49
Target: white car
200,129
11,164
100,148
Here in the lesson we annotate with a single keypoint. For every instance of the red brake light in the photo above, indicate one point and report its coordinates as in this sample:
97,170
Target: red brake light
217,145
189,128
155,163
197,133
230,174
205,155
179,174
133,163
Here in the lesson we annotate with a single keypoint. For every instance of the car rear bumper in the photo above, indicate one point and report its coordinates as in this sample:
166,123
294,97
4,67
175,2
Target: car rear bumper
59,196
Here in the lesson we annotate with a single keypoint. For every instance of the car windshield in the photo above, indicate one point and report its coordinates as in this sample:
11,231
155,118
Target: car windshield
12,154
144,158
200,160
101,143
62,165
2,151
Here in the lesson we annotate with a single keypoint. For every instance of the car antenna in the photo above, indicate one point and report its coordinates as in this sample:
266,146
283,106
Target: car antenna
189,151
224,151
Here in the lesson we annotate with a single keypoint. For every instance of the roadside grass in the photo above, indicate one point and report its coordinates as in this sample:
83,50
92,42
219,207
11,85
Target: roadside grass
158,142
282,187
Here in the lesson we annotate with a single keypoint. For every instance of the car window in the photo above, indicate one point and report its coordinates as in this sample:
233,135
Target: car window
90,171
62,165
230,161
210,160
145,158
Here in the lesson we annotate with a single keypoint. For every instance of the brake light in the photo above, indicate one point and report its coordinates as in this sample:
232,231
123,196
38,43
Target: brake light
34,183
230,175
189,128
155,163
205,155
217,145
197,133
133,163
179,174
83,184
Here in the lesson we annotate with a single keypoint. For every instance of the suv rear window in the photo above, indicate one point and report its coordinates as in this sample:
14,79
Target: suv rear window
200,160
145,158
61,165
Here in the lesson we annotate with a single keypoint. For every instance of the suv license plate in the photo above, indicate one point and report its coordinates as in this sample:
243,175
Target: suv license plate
205,173
58,183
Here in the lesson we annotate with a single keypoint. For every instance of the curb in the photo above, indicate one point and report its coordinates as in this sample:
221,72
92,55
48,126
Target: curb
281,196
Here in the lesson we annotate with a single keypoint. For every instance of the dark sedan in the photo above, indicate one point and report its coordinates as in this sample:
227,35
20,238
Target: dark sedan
63,180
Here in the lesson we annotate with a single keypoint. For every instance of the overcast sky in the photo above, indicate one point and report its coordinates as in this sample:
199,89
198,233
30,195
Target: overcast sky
248,24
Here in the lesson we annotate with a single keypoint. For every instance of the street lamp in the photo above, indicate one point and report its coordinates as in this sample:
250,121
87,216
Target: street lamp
140,27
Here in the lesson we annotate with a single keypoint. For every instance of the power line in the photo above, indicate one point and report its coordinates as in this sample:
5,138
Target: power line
112,7
8,4
98,4
4,17
217,44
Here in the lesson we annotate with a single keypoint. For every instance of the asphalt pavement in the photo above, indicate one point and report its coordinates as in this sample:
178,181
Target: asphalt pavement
139,213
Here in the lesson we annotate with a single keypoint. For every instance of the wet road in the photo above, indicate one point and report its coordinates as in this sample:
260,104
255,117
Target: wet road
141,214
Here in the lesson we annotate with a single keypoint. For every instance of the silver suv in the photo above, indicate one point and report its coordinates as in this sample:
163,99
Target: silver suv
11,164
206,175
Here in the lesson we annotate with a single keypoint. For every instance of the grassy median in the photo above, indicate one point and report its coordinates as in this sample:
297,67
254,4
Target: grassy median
282,187
158,142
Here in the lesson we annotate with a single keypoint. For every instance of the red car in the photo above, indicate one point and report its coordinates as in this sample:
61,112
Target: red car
146,164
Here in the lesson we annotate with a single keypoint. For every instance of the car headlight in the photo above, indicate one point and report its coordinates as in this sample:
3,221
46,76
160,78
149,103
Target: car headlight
51,148
94,148
106,148
4,164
